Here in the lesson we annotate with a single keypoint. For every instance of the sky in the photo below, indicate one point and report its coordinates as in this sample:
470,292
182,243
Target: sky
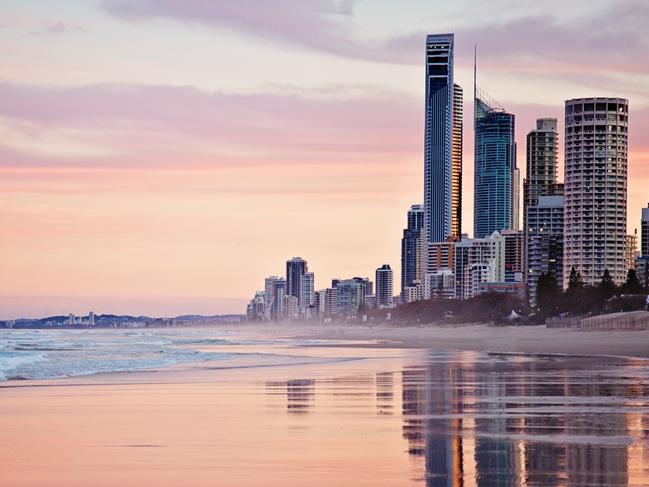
162,157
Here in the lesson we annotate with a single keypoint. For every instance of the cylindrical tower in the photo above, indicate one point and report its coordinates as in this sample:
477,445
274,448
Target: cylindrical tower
595,188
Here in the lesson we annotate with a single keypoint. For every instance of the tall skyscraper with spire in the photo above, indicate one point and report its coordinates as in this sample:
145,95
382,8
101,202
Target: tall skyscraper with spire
442,142
495,186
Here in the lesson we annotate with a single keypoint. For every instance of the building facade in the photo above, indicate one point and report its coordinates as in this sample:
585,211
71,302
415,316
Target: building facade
595,188
495,167
542,162
442,141
411,248
384,287
644,233
544,242
295,269
631,250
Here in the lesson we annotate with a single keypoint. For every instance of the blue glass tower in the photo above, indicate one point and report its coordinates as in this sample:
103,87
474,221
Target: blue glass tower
442,164
495,165
410,247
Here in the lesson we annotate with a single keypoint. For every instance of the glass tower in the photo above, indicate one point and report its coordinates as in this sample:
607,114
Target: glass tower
495,168
442,134
411,254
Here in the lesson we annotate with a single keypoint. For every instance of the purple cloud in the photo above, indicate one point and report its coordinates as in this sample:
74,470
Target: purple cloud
171,121
608,40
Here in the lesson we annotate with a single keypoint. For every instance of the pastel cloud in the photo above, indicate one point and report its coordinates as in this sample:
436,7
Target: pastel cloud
328,125
612,38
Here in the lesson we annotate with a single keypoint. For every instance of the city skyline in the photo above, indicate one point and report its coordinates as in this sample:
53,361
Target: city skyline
124,185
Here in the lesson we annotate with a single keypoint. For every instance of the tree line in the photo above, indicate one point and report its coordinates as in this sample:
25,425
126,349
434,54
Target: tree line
579,298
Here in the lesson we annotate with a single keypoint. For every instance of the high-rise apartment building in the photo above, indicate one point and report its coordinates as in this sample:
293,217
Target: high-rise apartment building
295,269
542,157
307,293
631,250
595,188
442,141
411,251
495,167
384,287
544,242
644,233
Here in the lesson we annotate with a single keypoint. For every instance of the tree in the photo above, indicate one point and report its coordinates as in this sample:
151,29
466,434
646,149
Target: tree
606,286
632,284
547,293
575,281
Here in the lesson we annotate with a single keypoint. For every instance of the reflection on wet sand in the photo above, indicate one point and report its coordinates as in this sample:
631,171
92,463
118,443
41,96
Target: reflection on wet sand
485,420
524,421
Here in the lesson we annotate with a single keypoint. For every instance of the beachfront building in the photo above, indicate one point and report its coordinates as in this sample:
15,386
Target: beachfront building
413,293
472,251
542,162
442,142
290,308
544,242
306,296
644,233
295,269
257,309
274,292
411,248
495,167
631,250
595,188
349,296
325,302
440,284
514,245
383,298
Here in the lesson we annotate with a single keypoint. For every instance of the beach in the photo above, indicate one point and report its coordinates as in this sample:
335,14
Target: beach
340,405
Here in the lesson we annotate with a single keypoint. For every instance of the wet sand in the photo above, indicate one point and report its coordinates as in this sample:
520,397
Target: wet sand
486,338
386,416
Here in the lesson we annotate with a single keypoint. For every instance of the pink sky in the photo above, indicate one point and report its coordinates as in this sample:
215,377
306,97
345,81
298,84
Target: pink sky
162,157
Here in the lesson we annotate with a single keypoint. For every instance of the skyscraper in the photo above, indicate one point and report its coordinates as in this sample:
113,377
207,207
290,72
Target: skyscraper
544,242
384,286
411,252
644,233
442,141
542,152
595,187
295,269
495,167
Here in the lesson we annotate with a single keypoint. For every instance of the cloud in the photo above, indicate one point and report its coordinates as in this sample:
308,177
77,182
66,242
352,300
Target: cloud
55,29
612,39
131,123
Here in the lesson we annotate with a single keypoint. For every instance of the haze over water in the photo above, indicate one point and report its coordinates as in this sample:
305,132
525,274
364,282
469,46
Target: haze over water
321,415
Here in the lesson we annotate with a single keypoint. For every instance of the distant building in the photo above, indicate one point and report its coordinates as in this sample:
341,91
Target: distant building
440,284
542,162
257,309
274,292
295,269
470,252
644,232
631,250
290,308
384,287
91,318
306,296
349,296
544,242
477,274
412,293
411,247
595,188
514,245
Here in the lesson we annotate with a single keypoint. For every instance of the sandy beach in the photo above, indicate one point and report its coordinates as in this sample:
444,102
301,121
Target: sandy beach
379,406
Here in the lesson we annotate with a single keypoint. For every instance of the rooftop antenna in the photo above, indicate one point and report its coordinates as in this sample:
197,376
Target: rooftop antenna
475,63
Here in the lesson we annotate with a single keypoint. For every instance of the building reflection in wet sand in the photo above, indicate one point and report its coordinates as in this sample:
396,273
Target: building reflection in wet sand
487,420
300,394
509,421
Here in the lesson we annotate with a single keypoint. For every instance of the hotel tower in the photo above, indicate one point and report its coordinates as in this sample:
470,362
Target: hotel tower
595,188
